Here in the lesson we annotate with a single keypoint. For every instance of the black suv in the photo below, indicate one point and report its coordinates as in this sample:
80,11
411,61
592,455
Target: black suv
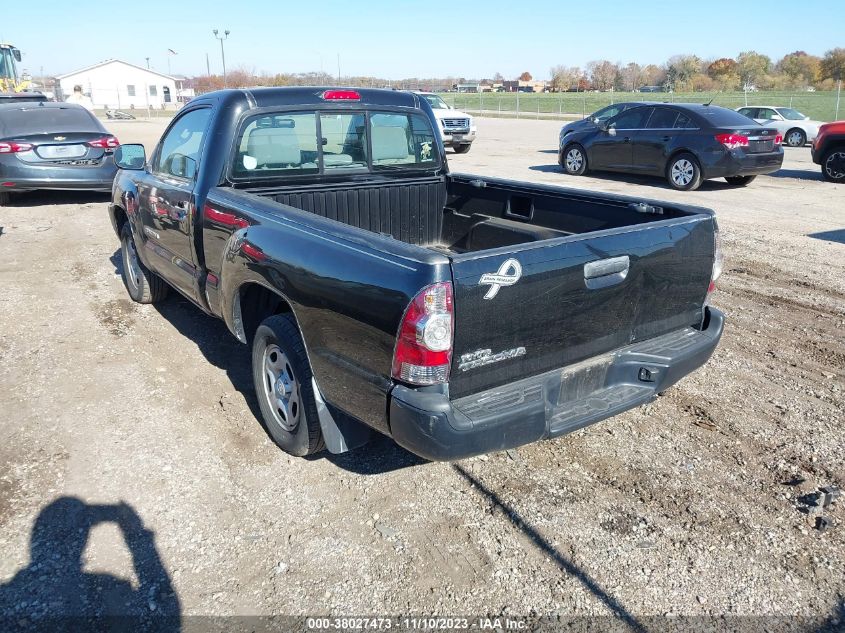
685,143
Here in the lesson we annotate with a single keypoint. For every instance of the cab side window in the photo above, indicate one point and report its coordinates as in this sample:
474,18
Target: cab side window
179,153
633,119
662,119
766,113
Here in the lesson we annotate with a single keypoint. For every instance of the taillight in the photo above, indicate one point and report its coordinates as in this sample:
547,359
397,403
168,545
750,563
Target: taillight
778,139
342,95
732,141
718,260
107,142
13,148
424,344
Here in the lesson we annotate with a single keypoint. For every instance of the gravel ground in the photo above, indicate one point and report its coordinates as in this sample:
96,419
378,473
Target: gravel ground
128,439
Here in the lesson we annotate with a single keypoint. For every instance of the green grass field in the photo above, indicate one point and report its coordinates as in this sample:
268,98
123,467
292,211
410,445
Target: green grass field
817,105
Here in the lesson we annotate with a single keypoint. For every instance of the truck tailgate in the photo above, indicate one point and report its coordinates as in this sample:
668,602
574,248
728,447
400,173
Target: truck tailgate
521,311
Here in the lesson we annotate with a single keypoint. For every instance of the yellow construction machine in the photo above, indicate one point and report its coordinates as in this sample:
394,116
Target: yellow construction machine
12,85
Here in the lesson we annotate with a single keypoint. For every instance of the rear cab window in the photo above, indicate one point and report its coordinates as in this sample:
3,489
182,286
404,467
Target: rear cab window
288,144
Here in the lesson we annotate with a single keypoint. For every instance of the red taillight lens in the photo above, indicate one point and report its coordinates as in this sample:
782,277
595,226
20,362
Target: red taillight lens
341,95
14,148
107,142
778,139
718,261
732,141
424,344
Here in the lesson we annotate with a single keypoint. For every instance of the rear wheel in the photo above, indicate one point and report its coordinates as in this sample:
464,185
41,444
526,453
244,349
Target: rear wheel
461,149
796,138
284,386
573,159
684,173
739,181
142,285
833,165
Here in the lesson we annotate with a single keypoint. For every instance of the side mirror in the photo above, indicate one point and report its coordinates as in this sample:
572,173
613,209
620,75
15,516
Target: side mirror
602,125
17,54
131,156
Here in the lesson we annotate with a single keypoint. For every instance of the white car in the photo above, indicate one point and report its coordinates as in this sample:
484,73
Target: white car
795,128
457,129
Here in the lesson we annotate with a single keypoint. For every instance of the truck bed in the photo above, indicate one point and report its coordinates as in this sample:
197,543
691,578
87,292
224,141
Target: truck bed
466,214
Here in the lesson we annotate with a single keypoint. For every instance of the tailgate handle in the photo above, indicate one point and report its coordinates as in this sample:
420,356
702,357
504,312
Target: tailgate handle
606,272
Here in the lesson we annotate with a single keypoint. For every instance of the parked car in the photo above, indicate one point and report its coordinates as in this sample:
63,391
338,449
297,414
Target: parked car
595,118
796,129
829,151
457,129
53,146
457,314
685,143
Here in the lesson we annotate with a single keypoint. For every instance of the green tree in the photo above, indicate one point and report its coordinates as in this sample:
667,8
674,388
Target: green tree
833,64
680,69
752,67
799,68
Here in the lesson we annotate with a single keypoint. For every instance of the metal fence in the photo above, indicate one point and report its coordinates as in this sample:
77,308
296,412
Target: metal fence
822,106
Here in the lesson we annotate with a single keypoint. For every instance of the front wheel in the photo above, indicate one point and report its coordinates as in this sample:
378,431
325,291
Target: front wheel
739,181
684,173
142,285
461,149
284,386
833,165
796,138
573,159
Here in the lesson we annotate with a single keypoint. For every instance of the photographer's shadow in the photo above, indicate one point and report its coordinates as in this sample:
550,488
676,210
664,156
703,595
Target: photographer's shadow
54,592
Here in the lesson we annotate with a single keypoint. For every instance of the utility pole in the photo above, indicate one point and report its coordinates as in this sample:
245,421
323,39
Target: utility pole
148,62
207,66
338,68
222,52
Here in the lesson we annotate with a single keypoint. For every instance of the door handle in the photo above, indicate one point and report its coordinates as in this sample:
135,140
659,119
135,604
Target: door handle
606,272
667,138
627,139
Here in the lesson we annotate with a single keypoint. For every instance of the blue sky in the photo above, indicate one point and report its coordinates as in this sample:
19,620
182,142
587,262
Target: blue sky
400,38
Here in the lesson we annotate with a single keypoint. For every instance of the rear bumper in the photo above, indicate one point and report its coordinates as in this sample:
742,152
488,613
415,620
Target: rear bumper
551,404
736,163
20,176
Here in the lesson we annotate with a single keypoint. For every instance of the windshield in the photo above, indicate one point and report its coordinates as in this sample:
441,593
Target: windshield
436,102
7,65
791,115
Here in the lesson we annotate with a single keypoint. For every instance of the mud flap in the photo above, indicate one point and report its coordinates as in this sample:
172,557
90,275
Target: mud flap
340,433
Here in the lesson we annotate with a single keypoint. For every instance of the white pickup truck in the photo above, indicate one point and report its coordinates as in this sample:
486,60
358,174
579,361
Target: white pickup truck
457,129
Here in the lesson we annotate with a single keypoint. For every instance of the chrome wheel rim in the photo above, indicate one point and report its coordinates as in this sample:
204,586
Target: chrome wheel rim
795,139
834,166
281,389
130,263
574,160
682,172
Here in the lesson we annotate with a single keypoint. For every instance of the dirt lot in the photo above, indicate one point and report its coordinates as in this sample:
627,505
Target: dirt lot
691,505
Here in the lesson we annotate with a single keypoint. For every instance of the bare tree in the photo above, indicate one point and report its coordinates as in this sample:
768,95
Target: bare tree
602,74
564,77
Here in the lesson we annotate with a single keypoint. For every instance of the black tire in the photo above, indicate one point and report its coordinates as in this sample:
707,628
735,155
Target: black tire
573,160
795,137
4,198
683,172
740,181
833,165
288,408
461,149
142,285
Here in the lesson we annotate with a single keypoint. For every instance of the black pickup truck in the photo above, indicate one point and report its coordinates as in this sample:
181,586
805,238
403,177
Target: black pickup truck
457,314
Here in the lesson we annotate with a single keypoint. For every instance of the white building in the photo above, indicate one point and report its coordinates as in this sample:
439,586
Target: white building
117,84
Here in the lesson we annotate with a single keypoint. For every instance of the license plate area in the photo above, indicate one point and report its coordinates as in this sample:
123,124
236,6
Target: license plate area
580,380
61,151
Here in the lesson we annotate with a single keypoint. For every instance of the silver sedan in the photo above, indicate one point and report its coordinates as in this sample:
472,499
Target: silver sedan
796,129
